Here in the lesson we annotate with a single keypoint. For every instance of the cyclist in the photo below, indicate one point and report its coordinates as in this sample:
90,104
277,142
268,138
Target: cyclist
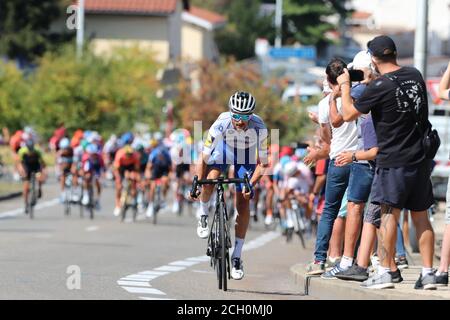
143,150
237,137
64,160
158,167
126,165
31,161
92,168
109,152
181,142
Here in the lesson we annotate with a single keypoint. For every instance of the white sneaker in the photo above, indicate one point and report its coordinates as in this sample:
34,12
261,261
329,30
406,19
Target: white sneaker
202,227
85,200
268,220
175,207
237,272
117,211
150,211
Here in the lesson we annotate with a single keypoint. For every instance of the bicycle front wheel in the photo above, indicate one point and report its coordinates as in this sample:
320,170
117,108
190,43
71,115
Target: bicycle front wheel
223,248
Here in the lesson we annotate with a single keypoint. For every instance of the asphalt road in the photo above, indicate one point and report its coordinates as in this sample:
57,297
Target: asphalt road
68,257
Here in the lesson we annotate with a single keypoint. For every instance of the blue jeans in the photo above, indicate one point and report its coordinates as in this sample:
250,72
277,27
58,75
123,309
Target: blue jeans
337,182
400,245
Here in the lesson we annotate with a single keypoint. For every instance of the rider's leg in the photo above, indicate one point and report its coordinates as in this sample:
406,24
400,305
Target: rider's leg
118,179
26,188
242,221
207,191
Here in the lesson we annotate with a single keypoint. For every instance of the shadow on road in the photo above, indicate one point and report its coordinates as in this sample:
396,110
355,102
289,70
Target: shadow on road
269,292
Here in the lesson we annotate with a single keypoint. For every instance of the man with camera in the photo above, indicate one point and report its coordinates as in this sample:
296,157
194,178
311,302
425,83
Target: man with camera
397,101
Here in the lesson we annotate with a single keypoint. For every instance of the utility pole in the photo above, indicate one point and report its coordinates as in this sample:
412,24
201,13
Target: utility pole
421,37
278,22
80,28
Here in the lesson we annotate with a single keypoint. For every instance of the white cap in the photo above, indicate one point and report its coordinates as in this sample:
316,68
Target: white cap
362,60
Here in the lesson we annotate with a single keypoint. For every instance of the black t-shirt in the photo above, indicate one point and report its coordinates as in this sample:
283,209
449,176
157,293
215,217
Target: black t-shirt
399,141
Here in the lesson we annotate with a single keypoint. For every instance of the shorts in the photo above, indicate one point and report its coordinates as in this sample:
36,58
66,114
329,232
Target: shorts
158,172
29,170
343,210
239,172
360,182
372,215
122,170
405,187
180,169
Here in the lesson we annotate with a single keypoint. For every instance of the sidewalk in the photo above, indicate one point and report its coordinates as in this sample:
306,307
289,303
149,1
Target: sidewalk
351,290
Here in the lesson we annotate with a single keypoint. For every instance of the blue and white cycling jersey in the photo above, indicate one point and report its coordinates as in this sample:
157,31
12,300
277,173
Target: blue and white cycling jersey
243,149
226,145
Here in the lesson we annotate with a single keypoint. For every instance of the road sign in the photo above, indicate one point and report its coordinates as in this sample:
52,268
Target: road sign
306,52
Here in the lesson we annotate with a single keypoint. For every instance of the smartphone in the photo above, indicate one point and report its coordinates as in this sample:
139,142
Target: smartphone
356,75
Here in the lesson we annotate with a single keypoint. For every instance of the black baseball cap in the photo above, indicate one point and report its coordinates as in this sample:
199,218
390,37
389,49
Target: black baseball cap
382,46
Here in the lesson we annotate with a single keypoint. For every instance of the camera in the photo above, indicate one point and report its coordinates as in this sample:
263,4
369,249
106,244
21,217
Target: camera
356,75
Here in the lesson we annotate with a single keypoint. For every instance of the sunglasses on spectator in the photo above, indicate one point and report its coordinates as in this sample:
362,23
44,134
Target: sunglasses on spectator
242,117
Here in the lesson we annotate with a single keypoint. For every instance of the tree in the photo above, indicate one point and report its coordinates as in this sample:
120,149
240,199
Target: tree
219,82
24,27
245,25
305,21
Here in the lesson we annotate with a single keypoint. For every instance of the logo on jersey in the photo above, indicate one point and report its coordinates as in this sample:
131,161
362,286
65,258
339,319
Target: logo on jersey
209,141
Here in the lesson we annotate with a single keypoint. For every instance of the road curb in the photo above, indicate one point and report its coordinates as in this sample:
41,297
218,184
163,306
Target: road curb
10,195
350,290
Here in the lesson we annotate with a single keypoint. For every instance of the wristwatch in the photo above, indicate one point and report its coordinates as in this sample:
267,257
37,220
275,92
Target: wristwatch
354,157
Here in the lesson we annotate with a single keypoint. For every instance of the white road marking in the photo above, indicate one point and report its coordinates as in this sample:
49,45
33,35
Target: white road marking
170,268
144,290
158,273
179,265
20,211
141,277
91,228
133,283
183,263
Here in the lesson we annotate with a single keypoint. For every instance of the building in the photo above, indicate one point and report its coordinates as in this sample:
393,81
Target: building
171,28
198,34
397,18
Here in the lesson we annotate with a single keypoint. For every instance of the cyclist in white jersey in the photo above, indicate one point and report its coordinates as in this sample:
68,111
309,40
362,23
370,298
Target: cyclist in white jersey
239,138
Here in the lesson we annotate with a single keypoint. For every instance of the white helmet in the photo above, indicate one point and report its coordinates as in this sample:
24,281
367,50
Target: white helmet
64,143
242,102
290,168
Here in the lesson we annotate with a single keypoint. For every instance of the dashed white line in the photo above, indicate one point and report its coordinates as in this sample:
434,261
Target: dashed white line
91,228
20,211
134,283
144,290
170,268
143,278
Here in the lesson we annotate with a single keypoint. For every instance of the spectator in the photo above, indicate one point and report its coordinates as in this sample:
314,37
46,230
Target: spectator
442,272
402,175
343,137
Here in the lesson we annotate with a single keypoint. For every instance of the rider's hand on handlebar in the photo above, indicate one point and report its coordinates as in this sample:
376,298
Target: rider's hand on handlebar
198,191
248,195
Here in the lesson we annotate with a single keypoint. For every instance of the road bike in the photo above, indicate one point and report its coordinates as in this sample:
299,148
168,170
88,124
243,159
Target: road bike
299,220
127,200
219,240
68,193
32,195
157,199
91,201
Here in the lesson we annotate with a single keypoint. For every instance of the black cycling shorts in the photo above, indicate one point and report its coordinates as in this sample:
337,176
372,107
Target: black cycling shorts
181,169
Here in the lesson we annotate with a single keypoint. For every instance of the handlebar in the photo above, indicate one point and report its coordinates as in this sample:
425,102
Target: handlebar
221,180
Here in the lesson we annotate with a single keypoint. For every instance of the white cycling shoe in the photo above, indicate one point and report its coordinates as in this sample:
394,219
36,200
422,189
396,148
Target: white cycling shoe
150,211
237,272
268,220
202,227
117,211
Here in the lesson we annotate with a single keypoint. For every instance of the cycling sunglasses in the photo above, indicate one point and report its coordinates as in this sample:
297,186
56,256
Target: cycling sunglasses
242,117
